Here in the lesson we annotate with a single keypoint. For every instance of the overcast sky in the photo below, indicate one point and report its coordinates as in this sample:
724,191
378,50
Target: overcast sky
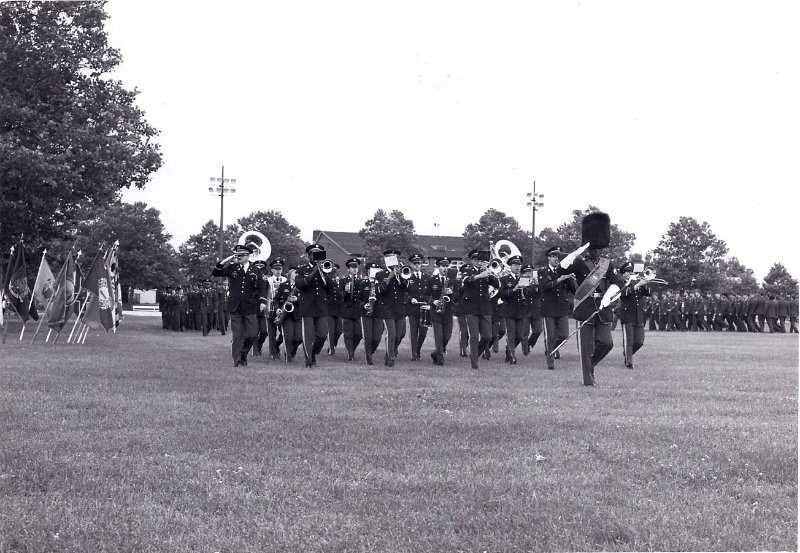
328,111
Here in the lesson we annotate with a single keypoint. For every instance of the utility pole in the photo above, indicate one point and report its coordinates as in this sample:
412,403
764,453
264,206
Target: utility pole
221,186
534,204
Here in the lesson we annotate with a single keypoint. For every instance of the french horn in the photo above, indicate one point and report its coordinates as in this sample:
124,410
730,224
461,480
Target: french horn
255,239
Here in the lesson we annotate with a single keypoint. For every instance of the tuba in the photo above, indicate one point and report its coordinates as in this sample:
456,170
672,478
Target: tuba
255,239
504,249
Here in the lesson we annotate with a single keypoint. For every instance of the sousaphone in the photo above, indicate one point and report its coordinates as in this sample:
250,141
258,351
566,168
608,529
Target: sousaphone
256,240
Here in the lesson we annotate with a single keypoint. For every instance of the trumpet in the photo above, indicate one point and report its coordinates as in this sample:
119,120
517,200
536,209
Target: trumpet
326,266
405,272
649,277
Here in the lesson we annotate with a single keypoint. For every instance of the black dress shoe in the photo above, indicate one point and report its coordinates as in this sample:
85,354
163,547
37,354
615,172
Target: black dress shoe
629,367
243,362
487,355
236,363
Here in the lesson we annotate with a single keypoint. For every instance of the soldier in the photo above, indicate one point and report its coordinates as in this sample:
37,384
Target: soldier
458,313
555,288
163,301
289,323
439,291
351,309
391,304
416,289
276,282
597,285
772,314
247,296
793,314
334,312
314,286
750,316
477,303
513,293
761,311
261,316
532,326
208,306
223,316
631,313
783,312
372,324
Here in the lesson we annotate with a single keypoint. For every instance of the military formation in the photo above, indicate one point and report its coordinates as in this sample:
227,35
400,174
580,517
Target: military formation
495,306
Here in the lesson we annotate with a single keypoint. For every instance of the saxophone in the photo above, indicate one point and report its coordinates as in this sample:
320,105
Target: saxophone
288,306
369,307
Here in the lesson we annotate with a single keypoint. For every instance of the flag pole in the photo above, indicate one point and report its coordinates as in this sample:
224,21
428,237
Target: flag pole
41,320
22,332
85,332
77,318
48,335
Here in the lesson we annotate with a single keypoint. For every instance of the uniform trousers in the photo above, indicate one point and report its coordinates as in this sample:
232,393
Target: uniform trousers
276,338
244,328
395,331
498,331
556,330
596,342
292,331
351,329
782,323
373,331
442,332
263,333
334,331
417,331
206,320
751,323
531,332
514,334
793,324
480,335
634,340
315,332
463,335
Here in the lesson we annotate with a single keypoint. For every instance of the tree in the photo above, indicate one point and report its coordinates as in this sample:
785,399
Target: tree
568,236
70,137
384,232
146,259
779,282
735,278
284,238
494,226
199,253
689,255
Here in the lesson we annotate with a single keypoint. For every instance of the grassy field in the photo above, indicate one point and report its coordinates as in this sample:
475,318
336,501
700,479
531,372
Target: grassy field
151,441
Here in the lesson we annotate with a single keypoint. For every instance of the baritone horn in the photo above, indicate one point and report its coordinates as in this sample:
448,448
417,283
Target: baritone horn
260,243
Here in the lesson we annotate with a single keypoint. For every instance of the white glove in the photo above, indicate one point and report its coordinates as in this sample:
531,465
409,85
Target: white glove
608,297
570,258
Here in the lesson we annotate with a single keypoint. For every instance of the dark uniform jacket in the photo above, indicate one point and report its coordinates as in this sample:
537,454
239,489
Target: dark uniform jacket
392,296
475,298
246,290
514,306
783,308
555,296
631,305
434,288
349,292
312,300
416,289
583,267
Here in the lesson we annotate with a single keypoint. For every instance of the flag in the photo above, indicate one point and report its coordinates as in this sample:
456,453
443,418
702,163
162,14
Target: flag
60,307
15,288
91,315
112,267
45,284
98,284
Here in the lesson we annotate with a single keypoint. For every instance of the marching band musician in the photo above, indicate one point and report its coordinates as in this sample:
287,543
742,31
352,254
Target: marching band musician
263,332
276,281
208,306
477,304
334,312
532,326
312,302
597,283
349,292
458,312
288,322
437,287
513,293
372,324
416,289
246,297
631,314
391,304
556,288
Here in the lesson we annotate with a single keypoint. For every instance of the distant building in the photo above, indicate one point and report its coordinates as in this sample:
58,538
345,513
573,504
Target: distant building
341,246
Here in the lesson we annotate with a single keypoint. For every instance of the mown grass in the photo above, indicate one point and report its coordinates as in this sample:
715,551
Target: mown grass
151,441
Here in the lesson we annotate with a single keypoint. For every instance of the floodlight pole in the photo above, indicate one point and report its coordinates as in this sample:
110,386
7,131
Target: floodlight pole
534,203
219,187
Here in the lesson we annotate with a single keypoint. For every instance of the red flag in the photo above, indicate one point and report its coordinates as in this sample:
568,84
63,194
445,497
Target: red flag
98,284
15,288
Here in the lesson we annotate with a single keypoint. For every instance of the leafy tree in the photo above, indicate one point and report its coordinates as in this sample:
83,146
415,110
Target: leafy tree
568,236
779,282
284,238
70,137
494,226
199,253
146,259
689,255
736,278
383,232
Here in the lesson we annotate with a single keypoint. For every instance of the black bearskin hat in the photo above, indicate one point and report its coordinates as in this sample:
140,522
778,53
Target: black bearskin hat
596,229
